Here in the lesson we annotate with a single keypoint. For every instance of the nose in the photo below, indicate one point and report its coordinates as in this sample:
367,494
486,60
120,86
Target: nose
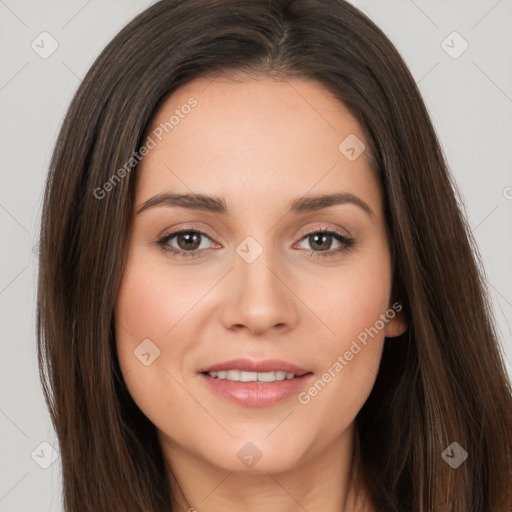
259,296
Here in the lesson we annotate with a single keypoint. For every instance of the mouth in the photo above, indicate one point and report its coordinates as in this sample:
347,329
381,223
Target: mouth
242,376
255,384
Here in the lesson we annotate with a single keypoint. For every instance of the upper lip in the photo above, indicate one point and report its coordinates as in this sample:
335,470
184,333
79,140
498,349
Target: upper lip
248,365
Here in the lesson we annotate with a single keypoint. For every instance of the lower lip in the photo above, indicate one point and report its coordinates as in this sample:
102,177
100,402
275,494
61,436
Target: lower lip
256,394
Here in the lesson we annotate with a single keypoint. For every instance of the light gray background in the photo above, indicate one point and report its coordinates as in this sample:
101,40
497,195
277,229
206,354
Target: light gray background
469,98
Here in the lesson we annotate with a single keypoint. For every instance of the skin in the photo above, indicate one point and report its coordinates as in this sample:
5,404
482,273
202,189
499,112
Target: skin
259,144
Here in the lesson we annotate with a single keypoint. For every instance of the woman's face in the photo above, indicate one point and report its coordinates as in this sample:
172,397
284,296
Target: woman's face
265,270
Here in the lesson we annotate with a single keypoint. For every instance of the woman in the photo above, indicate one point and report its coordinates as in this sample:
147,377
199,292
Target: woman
257,291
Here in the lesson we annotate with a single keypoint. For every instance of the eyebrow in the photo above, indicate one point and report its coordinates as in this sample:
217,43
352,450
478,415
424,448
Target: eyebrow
215,204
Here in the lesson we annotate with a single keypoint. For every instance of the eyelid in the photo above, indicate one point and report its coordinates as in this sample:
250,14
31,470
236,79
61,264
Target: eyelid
169,233
184,227
172,234
323,228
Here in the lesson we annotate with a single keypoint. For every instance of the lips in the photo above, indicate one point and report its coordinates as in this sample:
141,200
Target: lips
276,380
248,365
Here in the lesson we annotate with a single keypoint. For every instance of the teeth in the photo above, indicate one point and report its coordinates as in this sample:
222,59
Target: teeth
233,375
248,377
241,376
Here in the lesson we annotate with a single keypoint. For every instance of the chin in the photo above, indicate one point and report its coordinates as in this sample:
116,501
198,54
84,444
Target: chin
252,455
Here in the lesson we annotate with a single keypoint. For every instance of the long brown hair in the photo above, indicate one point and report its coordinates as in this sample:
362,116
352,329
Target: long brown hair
442,381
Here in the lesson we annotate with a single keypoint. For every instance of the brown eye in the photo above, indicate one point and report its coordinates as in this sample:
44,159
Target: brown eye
187,242
321,242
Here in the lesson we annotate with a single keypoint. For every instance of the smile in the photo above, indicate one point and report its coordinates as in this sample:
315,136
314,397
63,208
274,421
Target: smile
242,376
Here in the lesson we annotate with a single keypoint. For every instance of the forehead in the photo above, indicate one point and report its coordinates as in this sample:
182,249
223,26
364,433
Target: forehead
266,136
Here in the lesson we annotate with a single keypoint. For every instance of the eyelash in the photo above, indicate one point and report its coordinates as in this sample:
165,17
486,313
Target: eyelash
347,243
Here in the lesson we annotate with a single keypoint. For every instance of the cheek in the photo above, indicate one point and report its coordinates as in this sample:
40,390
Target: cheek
352,308
355,296
151,307
152,302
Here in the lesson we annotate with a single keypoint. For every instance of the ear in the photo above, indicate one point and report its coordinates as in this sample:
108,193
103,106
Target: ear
398,324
